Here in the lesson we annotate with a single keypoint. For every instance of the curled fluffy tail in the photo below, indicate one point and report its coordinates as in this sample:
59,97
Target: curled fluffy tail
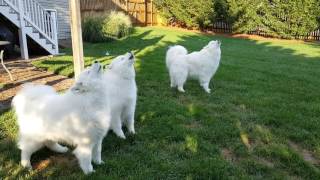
173,53
29,95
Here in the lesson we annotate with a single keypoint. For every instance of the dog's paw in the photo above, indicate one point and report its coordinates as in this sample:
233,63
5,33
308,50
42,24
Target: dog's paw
181,90
121,135
132,131
26,164
101,162
63,149
98,162
88,170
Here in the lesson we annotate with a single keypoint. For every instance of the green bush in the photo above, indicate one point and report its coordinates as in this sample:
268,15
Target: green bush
92,29
116,25
186,13
280,18
106,27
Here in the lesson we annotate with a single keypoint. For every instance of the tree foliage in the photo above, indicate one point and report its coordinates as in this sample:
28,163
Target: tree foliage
282,18
187,13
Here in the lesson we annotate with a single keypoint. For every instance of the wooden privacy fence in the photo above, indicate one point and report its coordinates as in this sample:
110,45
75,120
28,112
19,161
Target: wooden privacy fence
141,12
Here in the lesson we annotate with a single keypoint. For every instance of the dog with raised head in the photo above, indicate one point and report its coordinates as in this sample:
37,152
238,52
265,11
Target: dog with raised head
76,117
121,92
200,65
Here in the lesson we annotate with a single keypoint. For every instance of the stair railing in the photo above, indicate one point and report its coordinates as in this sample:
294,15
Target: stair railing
35,15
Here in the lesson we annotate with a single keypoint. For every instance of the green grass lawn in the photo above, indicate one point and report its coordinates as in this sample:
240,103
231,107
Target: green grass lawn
262,119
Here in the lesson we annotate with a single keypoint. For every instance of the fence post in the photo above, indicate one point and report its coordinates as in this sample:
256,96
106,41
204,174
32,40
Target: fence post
151,12
146,12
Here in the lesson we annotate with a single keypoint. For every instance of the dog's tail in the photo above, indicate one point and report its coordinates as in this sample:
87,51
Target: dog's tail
173,53
29,96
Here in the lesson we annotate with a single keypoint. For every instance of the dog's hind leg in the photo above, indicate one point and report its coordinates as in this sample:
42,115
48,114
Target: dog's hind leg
172,83
96,152
116,126
27,150
204,83
83,152
180,79
129,117
205,86
178,76
54,146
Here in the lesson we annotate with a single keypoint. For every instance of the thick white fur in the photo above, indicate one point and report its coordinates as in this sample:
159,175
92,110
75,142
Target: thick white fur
200,65
76,117
121,92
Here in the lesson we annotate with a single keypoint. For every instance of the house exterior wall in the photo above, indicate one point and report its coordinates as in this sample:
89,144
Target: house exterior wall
62,7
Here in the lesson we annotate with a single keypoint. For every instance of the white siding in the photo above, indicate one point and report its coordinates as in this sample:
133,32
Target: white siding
62,7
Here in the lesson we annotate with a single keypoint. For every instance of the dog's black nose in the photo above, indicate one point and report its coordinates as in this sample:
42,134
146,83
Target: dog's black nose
131,55
95,61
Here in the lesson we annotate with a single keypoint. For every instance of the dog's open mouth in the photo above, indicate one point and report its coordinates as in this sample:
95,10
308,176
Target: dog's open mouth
99,68
131,57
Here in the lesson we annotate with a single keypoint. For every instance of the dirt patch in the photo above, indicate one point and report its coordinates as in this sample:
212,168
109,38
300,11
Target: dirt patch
306,154
23,71
194,125
228,155
65,160
265,162
242,36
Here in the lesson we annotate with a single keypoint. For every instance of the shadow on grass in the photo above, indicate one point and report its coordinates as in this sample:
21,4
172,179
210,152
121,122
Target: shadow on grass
271,81
264,94
63,64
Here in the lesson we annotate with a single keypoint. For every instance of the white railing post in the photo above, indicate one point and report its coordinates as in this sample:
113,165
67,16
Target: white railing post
22,33
32,14
55,30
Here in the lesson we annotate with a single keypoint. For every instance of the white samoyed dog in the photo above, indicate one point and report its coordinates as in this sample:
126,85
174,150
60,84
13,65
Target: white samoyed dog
121,92
76,117
200,65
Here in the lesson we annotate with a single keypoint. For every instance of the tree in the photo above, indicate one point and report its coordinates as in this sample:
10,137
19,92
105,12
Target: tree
187,13
279,18
283,18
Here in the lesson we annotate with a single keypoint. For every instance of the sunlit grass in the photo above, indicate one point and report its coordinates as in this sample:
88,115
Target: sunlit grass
265,98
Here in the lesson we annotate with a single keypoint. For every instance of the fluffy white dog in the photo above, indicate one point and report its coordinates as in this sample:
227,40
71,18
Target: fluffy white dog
76,117
200,65
121,92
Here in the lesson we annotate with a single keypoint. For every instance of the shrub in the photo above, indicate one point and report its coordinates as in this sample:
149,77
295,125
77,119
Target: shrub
105,27
116,25
280,18
92,29
186,13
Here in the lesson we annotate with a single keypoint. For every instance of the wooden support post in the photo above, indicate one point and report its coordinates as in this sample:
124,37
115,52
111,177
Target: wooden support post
76,34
